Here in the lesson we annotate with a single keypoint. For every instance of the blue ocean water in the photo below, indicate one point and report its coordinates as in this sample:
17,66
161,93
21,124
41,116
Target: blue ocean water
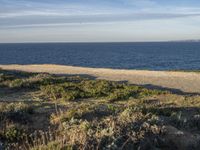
149,55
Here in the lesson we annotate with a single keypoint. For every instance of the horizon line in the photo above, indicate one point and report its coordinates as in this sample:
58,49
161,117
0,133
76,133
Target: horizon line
74,42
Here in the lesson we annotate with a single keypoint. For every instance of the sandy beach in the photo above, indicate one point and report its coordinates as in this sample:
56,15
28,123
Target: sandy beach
183,82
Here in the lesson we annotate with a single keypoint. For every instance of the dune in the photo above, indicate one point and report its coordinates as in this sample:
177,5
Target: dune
186,82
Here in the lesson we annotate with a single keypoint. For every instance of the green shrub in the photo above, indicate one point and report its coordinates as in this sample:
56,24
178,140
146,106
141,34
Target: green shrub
15,107
112,91
3,77
119,95
53,145
14,134
96,88
61,91
143,92
71,88
123,94
16,83
15,112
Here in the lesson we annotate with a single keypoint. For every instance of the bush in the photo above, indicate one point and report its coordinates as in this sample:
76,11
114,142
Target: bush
112,91
14,134
15,107
61,91
97,88
15,112
16,83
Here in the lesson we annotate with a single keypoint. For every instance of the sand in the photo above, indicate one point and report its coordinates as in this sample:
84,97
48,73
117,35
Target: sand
180,82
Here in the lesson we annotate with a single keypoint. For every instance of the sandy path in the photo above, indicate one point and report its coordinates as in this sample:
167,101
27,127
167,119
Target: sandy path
184,81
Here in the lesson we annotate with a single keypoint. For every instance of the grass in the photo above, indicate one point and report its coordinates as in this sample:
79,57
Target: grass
72,112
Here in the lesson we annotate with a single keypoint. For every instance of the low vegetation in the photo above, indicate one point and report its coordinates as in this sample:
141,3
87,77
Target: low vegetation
72,112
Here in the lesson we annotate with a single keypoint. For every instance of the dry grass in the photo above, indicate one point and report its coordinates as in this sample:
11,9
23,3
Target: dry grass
79,113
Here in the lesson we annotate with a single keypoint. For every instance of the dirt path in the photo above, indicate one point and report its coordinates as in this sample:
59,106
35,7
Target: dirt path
188,82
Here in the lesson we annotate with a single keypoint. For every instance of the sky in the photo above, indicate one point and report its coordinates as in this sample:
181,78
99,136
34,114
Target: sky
98,20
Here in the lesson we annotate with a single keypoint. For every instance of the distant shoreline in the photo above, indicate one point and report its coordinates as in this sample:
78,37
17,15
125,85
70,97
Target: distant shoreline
180,81
74,42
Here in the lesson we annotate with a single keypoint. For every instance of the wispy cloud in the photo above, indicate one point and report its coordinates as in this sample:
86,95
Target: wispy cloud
37,14
17,8
50,19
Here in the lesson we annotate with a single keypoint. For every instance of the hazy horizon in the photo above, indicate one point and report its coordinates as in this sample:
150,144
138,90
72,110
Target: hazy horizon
90,42
28,21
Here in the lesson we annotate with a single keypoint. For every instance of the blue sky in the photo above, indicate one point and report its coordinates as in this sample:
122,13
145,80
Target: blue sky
98,20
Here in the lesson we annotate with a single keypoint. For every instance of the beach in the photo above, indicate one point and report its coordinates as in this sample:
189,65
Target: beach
180,82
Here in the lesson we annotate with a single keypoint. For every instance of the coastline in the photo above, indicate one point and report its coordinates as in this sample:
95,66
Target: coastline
179,81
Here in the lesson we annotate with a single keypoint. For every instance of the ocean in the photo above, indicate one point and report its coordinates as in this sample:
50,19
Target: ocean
141,55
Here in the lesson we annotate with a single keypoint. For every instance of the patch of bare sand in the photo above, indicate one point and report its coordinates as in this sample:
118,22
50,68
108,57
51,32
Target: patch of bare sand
184,81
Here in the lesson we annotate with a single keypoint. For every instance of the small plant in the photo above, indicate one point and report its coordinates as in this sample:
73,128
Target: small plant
16,83
113,108
14,134
85,125
16,107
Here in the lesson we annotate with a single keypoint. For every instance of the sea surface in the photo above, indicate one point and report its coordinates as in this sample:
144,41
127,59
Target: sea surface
147,56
